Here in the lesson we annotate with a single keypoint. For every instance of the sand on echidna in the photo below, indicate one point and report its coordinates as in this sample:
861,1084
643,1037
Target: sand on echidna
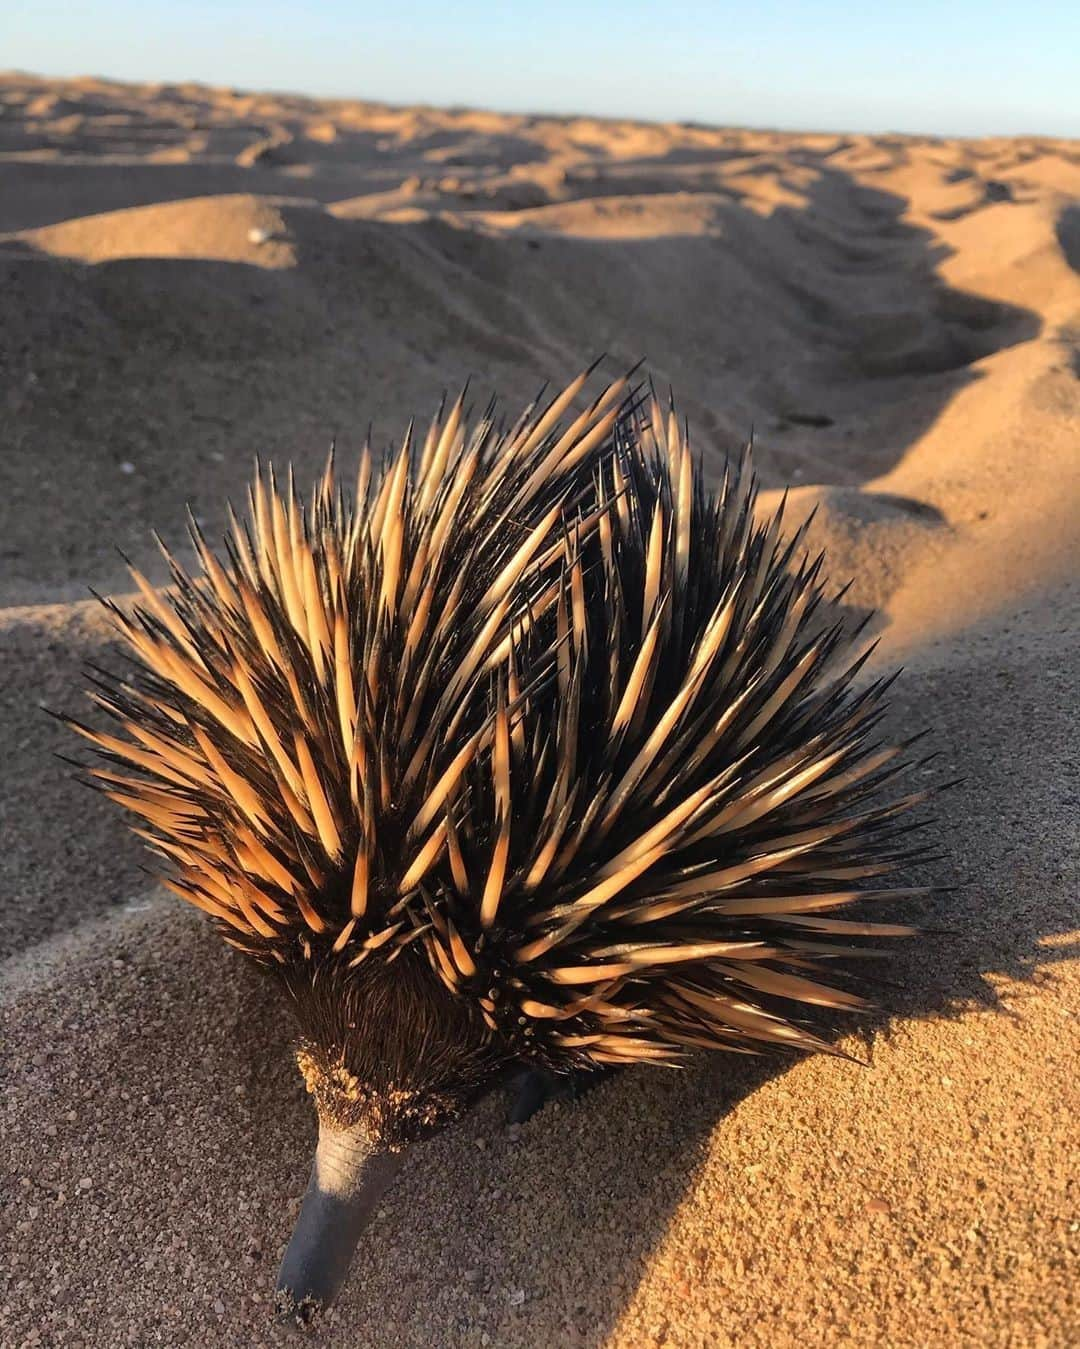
531,751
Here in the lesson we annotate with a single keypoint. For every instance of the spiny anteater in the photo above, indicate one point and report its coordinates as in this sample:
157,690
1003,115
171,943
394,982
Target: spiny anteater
536,752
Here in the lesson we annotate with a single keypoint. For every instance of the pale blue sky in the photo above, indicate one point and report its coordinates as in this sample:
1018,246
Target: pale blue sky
955,66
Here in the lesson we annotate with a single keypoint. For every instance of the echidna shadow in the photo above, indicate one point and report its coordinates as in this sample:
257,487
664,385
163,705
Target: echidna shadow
540,756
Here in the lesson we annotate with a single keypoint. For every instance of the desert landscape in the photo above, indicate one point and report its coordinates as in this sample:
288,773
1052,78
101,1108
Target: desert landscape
192,277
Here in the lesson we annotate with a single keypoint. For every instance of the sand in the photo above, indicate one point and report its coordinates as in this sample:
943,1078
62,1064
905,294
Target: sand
193,276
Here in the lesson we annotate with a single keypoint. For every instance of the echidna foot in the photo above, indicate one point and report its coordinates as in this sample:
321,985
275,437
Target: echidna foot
536,1086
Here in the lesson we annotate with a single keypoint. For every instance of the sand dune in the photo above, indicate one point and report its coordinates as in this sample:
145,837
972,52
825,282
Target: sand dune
191,277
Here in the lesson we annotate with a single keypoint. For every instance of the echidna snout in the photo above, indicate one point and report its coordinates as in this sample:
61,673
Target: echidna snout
350,1175
533,749
389,1056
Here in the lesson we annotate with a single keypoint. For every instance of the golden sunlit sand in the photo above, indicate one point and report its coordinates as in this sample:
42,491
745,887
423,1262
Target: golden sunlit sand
195,276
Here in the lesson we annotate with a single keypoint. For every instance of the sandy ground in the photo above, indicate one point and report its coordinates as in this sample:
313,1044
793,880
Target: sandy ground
192,276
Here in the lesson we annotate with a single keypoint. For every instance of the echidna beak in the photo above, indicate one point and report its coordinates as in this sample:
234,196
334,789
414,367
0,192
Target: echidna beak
348,1179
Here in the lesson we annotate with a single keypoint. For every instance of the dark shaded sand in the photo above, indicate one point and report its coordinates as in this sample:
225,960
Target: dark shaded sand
192,276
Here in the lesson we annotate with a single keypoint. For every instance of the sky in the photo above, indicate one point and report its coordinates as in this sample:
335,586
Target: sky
954,67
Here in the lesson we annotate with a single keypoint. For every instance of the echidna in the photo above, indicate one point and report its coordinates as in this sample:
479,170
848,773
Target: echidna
535,752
